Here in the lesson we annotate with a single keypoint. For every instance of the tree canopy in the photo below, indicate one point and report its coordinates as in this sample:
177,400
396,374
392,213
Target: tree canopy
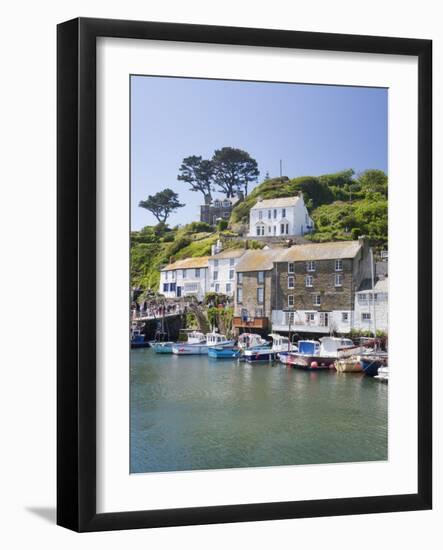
162,204
199,174
235,169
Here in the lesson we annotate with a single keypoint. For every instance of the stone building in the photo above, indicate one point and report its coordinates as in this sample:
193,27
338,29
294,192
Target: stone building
315,286
254,297
218,209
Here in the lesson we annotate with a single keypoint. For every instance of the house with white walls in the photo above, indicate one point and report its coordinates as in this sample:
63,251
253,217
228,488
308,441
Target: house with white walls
188,277
282,217
222,266
372,304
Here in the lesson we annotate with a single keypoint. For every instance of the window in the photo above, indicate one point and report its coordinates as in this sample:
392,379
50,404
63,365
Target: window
283,212
260,277
260,230
282,229
290,317
338,265
317,300
239,278
239,295
269,229
275,230
231,262
172,287
228,287
165,287
173,275
215,276
344,317
324,319
215,263
291,281
269,214
309,281
191,287
217,204
310,317
226,215
260,214
226,204
310,266
365,316
338,279
197,273
291,300
166,276
184,273
275,214
291,267
231,274
217,287
260,295
287,229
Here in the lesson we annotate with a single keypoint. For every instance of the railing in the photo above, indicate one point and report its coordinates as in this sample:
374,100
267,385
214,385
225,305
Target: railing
155,313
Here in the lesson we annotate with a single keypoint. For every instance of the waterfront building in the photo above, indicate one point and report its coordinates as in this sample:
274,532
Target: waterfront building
282,217
369,302
218,209
315,286
222,266
189,277
254,289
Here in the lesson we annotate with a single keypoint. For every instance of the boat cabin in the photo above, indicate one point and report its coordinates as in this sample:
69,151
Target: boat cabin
309,347
331,346
196,337
214,338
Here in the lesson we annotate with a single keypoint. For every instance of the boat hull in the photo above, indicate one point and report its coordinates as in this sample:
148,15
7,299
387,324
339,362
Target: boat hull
348,365
162,347
370,365
190,349
223,353
259,355
309,362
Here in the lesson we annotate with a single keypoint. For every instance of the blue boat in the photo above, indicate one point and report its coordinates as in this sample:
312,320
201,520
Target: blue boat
223,353
371,363
138,339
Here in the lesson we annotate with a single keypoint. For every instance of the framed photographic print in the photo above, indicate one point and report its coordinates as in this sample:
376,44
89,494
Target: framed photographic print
244,274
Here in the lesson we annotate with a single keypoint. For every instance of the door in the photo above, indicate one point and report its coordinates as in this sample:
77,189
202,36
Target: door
179,291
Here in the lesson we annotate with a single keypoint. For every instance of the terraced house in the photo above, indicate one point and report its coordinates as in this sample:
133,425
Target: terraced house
189,277
315,286
255,296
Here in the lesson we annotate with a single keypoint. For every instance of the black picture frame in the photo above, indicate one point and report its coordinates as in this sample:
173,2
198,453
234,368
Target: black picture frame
76,293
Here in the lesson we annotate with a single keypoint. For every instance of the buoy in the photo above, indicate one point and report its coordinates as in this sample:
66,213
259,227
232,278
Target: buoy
314,365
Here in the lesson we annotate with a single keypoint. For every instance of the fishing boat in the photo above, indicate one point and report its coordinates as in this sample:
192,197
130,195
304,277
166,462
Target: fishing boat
383,374
138,338
249,340
313,354
218,352
371,363
262,354
198,343
348,364
162,347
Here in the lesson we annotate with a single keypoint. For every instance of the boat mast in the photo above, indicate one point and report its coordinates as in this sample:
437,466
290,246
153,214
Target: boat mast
373,292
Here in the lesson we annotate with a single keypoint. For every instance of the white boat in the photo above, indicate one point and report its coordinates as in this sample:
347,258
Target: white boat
314,355
249,340
198,343
383,374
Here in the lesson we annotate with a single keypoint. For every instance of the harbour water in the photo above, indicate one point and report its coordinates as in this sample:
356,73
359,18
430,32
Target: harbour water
194,413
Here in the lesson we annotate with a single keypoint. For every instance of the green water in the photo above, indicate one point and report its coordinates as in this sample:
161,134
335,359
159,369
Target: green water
194,413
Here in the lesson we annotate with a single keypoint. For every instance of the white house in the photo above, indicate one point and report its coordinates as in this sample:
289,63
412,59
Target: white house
370,302
189,277
222,270
286,216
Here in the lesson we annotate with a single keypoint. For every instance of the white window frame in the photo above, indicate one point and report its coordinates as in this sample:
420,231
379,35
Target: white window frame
260,277
291,278
309,281
260,295
344,317
291,299
310,266
338,280
366,317
231,274
184,273
291,270
217,287
215,275
338,265
197,273
240,278
239,295
316,301
228,287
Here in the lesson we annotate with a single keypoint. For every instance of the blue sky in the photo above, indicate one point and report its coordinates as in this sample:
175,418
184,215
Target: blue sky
313,129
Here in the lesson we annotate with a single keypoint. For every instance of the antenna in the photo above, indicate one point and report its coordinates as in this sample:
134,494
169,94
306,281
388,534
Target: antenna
281,168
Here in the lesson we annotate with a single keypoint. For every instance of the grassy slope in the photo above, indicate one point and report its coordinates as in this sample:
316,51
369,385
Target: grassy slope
327,198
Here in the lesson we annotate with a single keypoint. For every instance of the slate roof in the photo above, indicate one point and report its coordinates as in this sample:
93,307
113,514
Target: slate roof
188,263
339,250
276,203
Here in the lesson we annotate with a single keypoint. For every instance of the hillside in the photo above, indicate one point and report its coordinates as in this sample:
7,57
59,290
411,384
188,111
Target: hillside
342,206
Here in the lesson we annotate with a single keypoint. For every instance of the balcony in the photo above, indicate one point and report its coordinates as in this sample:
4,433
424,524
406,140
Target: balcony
251,322
300,322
